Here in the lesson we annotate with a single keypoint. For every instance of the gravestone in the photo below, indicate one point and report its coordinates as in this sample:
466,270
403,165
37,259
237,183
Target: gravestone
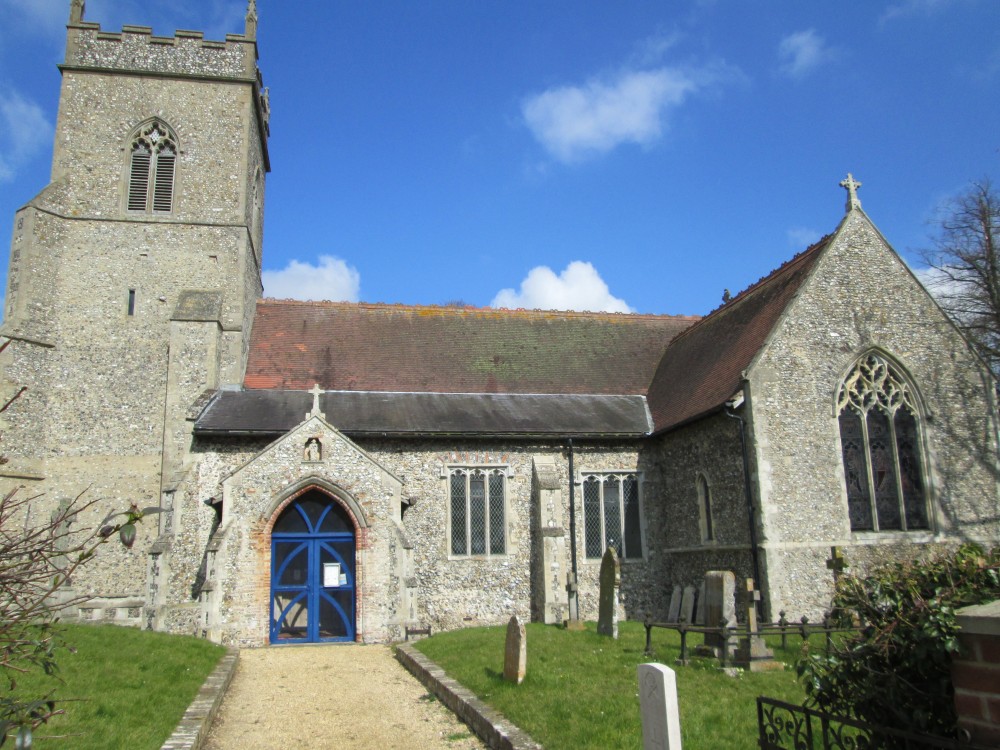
661,723
687,605
699,617
752,653
675,605
611,578
515,655
719,606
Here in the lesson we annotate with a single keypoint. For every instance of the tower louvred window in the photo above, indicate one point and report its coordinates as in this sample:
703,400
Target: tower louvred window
152,168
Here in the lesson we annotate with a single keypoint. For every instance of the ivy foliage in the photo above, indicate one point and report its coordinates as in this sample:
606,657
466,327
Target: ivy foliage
896,671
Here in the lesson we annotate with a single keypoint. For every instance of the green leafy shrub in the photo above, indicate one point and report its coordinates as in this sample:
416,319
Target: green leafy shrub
896,671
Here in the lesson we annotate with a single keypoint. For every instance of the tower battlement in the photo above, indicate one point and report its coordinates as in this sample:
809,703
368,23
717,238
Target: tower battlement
135,49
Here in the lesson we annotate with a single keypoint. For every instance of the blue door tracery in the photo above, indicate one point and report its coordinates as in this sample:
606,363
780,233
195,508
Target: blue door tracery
312,572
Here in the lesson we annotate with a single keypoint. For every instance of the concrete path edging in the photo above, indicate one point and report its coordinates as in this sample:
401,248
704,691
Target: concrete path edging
193,728
490,725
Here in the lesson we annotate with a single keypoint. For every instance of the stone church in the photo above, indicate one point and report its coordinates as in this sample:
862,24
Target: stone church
335,471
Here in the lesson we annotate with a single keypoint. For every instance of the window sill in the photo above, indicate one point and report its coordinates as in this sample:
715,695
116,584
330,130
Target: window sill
894,536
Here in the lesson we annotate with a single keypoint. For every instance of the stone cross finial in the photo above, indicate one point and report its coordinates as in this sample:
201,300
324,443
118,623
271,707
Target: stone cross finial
316,391
851,185
250,32
76,8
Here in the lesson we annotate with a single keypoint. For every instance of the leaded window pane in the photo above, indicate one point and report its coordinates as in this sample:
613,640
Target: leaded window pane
497,535
633,529
914,502
612,514
458,536
477,513
883,466
592,517
856,471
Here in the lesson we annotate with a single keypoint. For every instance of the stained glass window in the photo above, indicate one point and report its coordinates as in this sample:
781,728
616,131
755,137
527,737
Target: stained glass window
880,447
478,518
611,515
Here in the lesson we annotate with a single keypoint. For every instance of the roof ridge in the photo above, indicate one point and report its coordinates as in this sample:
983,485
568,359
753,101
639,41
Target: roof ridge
473,310
786,267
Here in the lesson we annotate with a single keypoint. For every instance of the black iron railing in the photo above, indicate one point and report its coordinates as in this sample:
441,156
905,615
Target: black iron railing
786,726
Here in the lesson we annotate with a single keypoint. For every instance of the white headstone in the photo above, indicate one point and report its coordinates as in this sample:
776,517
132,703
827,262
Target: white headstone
661,721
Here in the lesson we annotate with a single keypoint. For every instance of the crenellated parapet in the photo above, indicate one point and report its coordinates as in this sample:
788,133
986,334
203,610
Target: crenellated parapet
136,50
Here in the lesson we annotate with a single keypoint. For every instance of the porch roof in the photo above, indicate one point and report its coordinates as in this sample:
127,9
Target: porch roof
371,413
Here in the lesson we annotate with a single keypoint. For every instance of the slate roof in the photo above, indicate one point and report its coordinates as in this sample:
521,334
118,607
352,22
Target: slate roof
370,347
702,368
274,412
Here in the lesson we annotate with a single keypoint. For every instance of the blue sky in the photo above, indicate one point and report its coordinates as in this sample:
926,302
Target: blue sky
627,156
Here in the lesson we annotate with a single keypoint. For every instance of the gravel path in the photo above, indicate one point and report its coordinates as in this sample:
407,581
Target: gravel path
344,696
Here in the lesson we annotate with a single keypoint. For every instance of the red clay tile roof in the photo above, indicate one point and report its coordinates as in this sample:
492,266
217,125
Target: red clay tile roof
367,347
702,368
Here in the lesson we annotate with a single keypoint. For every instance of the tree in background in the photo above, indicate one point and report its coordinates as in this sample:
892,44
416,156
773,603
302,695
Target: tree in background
39,553
896,672
965,260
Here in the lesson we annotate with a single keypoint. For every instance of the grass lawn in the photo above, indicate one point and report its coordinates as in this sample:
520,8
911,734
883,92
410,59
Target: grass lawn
123,687
581,690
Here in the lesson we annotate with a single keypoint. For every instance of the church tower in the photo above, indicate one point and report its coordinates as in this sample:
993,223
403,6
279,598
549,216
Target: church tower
133,275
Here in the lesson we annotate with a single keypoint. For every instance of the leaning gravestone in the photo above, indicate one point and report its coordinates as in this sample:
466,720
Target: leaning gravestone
687,605
611,578
661,724
675,605
719,606
515,656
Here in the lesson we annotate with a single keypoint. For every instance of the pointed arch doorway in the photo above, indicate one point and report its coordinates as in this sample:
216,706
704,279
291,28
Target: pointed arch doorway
313,572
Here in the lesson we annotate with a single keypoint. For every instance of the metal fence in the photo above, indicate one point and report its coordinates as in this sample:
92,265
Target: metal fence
803,629
786,726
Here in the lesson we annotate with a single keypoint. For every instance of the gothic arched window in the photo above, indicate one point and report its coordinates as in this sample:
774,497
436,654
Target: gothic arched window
151,167
880,443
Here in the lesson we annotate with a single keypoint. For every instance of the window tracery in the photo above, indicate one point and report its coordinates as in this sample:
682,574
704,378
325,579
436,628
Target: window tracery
880,447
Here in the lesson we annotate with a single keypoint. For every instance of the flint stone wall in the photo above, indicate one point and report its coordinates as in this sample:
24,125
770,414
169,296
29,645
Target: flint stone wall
860,297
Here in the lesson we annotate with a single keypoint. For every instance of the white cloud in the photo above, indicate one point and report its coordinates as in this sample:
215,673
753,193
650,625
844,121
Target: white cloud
578,287
24,132
331,279
573,122
802,237
912,8
802,52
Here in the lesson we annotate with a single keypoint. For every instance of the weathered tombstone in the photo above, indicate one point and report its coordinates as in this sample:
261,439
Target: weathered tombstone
687,605
611,578
699,617
719,606
661,722
753,653
515,655
675,605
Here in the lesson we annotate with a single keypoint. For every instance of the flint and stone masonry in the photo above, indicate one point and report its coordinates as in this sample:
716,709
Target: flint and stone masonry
475,464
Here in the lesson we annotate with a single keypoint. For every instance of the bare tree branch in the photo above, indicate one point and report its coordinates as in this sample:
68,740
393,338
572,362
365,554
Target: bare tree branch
965,259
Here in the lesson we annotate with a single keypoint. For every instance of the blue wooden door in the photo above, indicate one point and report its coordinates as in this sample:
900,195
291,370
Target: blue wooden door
312,572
